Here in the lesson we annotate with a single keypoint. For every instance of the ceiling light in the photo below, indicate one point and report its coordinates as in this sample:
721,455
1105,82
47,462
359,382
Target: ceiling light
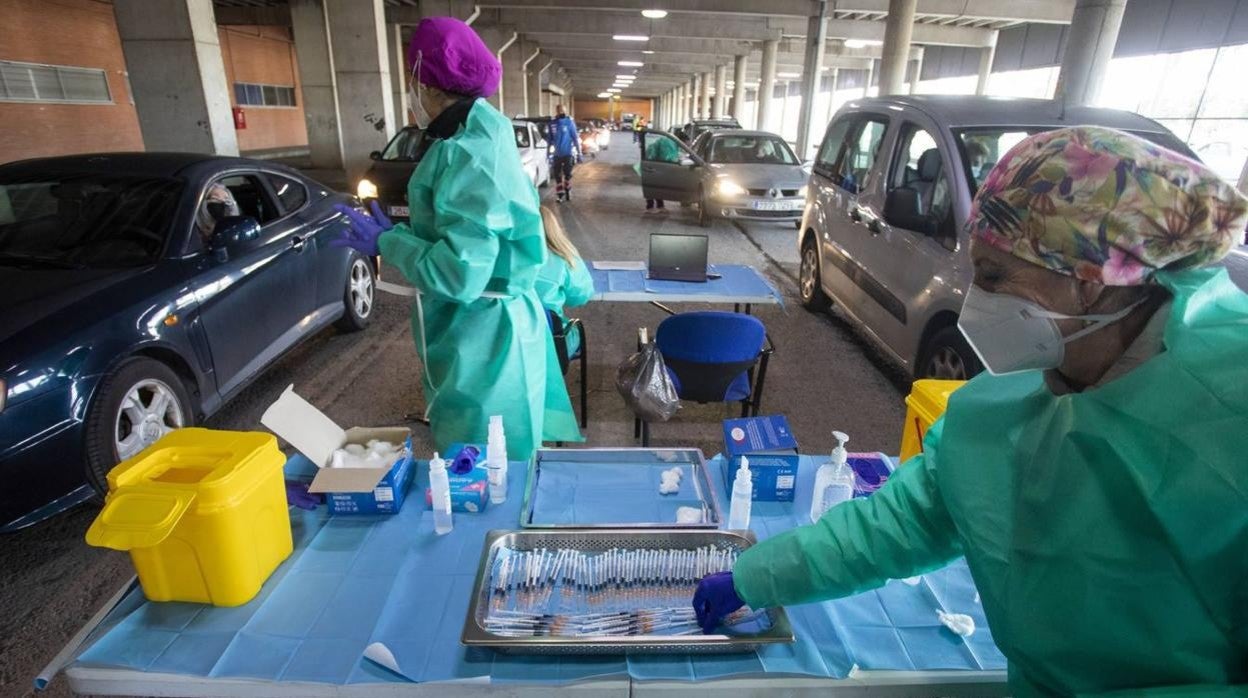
648,53
631,64
788,75
604,95
630,37
654,14
625,77
613,90
862,43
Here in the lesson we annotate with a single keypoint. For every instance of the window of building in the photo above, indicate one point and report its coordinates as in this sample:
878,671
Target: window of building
255,95
35,82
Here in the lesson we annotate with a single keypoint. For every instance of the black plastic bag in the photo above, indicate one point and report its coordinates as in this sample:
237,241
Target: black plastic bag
646,387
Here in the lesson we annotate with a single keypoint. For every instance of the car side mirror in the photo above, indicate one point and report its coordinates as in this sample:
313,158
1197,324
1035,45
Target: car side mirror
375,155
902,209
688,162
233,234
543,144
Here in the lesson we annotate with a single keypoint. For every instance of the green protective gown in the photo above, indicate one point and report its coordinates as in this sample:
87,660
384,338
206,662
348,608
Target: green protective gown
475,228
1107,531
561,285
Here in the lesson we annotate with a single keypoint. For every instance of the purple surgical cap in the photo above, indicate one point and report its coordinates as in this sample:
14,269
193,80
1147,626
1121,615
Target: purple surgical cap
453,58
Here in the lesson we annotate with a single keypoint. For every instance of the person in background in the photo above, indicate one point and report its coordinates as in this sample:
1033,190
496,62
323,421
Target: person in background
977,154
218,203
473,249
564,281
639,125
1094,478
660,149
566,143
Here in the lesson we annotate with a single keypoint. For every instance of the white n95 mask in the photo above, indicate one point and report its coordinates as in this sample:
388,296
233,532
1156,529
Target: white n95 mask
1010,334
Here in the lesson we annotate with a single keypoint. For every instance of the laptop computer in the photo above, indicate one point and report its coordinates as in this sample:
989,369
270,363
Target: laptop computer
677,257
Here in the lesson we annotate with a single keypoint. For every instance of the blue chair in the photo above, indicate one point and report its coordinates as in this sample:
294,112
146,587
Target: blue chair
560,332
712,356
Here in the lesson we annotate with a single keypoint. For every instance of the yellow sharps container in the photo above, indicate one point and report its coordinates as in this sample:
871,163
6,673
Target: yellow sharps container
203,514
925,404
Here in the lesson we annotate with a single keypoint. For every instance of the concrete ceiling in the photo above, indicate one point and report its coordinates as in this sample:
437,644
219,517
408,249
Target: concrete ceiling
698,35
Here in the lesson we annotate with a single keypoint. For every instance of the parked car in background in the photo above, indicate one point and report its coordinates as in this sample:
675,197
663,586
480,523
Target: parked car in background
141,292
690,131
386,179
749,175
602,133
589,140
531,142
883,233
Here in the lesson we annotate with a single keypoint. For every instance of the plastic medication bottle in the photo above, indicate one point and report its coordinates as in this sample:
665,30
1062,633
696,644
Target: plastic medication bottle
834,481
440,493
496,460
742,494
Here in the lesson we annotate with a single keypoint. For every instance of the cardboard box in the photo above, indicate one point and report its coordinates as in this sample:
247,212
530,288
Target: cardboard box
470,491
348,490
772,450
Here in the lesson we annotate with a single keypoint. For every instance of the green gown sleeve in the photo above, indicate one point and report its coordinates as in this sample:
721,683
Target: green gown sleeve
901,530
458,266
580,284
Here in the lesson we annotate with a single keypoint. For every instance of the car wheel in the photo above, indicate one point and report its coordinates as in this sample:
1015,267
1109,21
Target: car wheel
704,214
948,356
137,404
810,286
358,298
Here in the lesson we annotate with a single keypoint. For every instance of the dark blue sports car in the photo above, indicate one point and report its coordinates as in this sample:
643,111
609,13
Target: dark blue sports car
138,293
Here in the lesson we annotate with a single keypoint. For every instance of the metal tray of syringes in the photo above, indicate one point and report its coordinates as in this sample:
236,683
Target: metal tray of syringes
698,489
600,541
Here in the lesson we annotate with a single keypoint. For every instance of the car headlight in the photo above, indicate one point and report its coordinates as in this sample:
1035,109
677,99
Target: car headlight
366,190
727,187
802,192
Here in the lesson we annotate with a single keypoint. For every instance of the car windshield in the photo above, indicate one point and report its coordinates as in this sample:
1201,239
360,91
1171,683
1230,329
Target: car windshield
404,146
750,150
983,147
85,220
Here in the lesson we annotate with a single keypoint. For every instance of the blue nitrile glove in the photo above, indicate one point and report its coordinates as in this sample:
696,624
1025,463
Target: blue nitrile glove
297,494
362,229
715,598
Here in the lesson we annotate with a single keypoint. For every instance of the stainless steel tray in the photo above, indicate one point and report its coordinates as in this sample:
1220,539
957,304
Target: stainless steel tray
698,477
475,634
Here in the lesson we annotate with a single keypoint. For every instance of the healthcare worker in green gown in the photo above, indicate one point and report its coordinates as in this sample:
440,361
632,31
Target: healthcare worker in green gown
1097,484
472,250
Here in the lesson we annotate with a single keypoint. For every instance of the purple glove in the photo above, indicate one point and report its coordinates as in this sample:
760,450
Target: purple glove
297,494
715,598
362,229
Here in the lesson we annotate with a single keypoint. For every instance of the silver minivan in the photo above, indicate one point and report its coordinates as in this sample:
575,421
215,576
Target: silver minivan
883,230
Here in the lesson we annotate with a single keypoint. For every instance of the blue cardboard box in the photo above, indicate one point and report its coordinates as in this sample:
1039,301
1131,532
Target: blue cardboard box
386,496
772,450
470,491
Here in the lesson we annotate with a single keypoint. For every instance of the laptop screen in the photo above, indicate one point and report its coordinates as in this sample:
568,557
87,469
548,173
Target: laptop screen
680,254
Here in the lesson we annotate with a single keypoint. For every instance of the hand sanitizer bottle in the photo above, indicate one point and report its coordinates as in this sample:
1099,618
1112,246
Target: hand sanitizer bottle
496,460
440,493
834,482
742,494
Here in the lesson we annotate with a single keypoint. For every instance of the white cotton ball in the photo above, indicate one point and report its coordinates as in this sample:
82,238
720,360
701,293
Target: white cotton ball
688,515
959,623
355,449
677,472
669,486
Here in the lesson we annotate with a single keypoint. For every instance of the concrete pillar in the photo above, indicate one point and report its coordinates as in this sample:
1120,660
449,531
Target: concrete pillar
704,98
398,74
827,118
812,69
177,77
721,91
362,73
866,90
532,84
738,87
986,54
898,27
696,85
543,96
498,38
513,76
1089,47
316,75
767,85
918,70
1243,180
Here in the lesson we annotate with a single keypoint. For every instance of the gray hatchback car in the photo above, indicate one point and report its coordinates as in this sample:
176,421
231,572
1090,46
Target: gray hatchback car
883,230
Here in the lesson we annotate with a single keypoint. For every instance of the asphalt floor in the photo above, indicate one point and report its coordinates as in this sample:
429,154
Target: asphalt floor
823,376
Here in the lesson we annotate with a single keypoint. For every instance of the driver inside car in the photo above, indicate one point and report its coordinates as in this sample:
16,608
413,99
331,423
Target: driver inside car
218,203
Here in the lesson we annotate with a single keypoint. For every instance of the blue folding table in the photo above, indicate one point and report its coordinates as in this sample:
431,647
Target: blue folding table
738,284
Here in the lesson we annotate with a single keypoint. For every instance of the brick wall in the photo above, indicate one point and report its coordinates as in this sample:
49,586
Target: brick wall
598,108
264,55
79,33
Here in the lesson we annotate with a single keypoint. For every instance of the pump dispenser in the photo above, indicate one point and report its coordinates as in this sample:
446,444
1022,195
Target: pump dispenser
834,481
440,494
742,494
496,460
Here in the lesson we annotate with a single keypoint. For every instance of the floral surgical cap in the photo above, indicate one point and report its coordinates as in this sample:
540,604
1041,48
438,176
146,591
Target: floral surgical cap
1103,205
